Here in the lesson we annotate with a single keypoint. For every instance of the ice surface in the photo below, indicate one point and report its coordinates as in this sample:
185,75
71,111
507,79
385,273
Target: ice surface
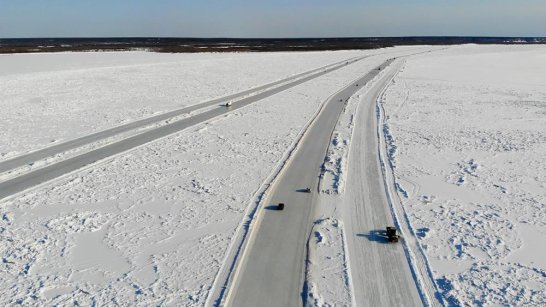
153,225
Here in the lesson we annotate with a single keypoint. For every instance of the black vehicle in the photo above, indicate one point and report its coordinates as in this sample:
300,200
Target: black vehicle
307,190
391,234
280,206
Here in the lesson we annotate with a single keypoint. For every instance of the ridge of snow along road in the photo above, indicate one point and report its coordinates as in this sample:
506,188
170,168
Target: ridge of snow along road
153,225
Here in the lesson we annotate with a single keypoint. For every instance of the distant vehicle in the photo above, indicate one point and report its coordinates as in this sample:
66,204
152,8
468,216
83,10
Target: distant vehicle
228,104
378,68
340,99
346,63
307,190
357,84
280,206
391,234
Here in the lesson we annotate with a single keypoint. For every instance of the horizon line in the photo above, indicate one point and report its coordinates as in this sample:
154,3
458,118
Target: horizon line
268,38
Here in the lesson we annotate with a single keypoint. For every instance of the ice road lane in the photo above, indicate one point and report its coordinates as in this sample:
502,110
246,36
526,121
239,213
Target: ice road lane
380,272
271,271
28,180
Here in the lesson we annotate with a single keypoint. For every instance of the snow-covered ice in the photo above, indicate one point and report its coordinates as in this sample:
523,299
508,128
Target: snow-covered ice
152,226
466,134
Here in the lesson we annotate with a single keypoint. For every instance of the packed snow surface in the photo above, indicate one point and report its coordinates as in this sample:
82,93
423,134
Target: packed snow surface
466,134
151,226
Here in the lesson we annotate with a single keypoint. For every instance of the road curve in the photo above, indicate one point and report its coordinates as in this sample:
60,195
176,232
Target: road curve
271,270
50,151
31,179
380,272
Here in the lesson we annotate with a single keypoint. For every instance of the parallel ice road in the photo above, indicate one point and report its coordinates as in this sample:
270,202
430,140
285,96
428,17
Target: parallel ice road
66,146
271,271
28,180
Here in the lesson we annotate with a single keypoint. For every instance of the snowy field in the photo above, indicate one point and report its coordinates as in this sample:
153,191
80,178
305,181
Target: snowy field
151,226
468,127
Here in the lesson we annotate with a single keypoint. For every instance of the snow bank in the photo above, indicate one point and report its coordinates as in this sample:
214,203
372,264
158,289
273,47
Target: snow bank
328,272
468,144
334,169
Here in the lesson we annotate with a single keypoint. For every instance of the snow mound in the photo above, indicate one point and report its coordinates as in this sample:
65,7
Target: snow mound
327,272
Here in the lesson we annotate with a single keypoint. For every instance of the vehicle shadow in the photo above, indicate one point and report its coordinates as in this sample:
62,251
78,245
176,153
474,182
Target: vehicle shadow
378,235
303,190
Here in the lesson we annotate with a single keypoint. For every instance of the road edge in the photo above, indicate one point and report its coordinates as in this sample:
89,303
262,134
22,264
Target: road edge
418,262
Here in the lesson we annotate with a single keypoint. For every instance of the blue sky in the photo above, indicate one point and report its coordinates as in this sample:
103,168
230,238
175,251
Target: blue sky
280,18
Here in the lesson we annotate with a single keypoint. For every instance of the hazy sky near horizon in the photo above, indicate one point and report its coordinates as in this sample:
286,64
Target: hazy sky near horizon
271,18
